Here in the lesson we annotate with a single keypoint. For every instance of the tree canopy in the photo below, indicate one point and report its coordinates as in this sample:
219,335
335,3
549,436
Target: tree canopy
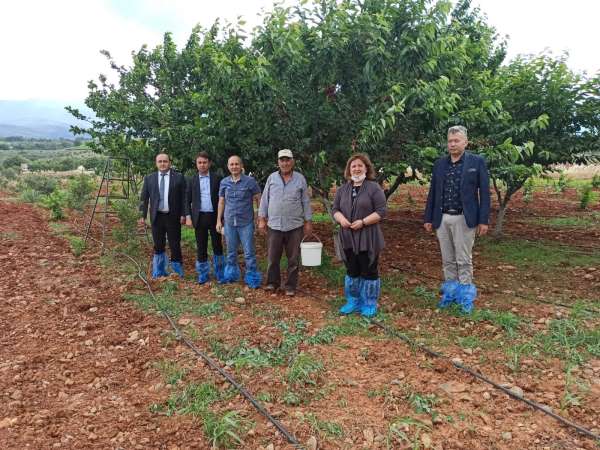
327,78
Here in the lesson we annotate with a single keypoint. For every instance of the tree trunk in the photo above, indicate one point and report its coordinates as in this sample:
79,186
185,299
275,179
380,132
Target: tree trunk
500,220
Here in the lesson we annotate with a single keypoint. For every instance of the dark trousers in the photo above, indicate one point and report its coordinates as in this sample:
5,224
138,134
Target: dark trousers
277,241
167,226
357,265
207,222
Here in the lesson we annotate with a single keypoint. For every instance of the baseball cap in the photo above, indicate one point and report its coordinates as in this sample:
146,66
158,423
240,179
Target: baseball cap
285,153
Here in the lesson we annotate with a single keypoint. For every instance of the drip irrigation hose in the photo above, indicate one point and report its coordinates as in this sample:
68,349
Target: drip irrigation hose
394,332
211,362
533,404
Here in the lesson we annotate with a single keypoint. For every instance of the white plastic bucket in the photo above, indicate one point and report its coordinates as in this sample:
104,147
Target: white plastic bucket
310,253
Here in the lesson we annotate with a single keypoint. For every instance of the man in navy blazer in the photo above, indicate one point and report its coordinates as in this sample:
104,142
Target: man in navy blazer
164,193
201,204
458,208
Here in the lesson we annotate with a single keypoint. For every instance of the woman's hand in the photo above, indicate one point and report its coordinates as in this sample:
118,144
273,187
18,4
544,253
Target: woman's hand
341,219
357,224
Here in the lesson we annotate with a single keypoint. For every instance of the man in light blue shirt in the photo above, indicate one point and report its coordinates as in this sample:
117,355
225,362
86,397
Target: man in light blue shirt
286,215
236,194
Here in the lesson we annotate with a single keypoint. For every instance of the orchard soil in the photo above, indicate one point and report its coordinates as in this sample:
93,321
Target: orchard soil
79,363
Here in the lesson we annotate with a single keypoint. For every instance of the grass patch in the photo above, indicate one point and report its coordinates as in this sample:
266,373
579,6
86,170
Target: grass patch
524,253
570,340
324,428
223,430
588,221
173,304
345,326
333,273
170,371
304,370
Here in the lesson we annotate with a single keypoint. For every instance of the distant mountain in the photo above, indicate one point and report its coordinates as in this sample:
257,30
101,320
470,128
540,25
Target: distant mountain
37,119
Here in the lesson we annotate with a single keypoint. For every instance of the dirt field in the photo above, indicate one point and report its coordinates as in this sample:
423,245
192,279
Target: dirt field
86,362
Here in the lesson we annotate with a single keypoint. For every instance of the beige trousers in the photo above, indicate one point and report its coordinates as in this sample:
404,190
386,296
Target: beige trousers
456,244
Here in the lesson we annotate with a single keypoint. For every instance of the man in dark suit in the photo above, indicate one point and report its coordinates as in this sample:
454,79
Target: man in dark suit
201,212
164,192
458,207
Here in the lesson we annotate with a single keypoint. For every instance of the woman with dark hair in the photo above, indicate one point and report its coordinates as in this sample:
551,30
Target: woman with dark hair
358,207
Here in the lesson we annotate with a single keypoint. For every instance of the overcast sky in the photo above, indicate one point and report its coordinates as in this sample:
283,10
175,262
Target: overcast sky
50,48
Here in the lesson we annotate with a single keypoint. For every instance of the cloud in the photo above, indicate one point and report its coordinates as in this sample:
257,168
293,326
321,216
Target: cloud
558,26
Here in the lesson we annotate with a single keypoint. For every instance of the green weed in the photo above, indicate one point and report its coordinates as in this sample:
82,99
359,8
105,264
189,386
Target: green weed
77,245
304,370
224,430
570,340
324,428
170,371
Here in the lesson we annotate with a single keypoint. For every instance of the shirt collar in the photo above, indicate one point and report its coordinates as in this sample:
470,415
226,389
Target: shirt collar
204,176
460,160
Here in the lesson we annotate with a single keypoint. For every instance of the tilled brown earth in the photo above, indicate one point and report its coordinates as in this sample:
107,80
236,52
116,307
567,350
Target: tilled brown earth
78,364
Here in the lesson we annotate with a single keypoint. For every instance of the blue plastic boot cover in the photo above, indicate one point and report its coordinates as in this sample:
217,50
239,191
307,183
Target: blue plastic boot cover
231,274
219,266
352,294
465,297
203,271
448,289
369,295
177,267
159,265
253,279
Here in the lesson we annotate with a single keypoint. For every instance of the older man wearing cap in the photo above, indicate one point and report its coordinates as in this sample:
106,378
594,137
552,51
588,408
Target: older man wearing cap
285,214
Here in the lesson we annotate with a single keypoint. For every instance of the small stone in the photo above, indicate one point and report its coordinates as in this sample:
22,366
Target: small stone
270,447
426,440
8,422
239,300
486,396
16,395
507,436
93,309
311,444
588,276
468,351
369,436
133,336
184,322
89,342
517,391
453,387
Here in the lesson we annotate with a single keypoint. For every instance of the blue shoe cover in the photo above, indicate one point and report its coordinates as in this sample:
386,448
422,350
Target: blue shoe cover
253,279
465,297
203,270
448,289
231,274
219,266
177,268
352,294
159,265
369,294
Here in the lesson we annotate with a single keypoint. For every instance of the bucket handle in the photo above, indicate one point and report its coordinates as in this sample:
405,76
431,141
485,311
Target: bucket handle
311,235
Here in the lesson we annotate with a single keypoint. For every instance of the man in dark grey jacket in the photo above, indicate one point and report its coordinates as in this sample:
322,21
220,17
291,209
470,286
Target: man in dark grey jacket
458,207
164,193
201,204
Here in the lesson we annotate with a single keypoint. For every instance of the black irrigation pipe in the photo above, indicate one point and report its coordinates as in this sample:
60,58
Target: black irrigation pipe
533,404
211,362
394,332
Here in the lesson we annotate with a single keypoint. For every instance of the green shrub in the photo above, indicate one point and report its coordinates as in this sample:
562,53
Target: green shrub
55,202
9,173
30,195
587,196
79,191
40,183
596,181
126,233
562,184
